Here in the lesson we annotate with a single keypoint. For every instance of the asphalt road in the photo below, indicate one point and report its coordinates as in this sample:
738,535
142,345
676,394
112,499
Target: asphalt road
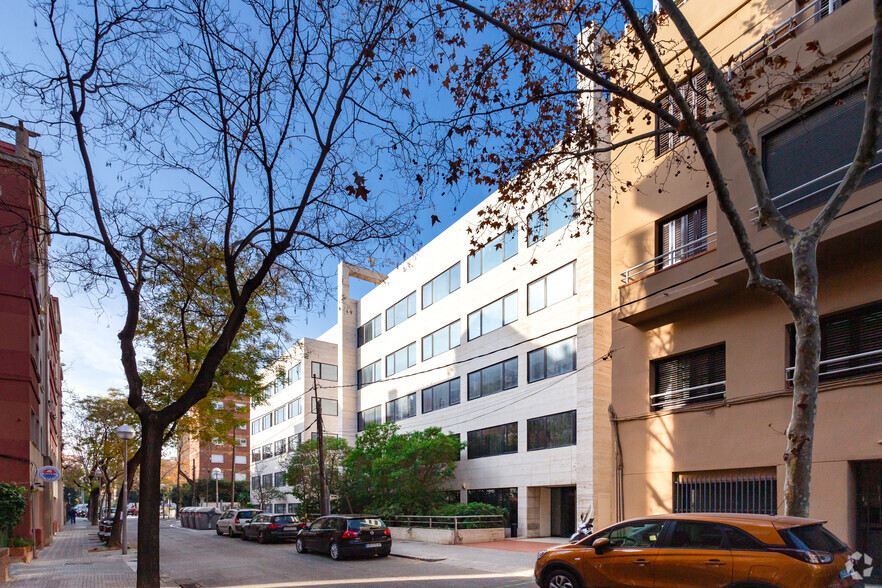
192,558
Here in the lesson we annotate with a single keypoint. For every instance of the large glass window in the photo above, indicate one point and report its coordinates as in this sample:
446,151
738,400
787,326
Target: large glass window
279,415
280,447
553,360
370,374
553,216
279,480
494,378
267,480
370,416
503,247
293,442
551,289
370,330
441,286
554,430
442,340
682,236
493,441
256,454
441,395
401,359
267,451
324,371
697,376
401,408
266,421
329,406
295,373
295,408
255,426
806,159
493,316
401,311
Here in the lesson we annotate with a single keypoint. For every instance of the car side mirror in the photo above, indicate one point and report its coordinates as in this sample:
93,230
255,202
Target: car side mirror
600,545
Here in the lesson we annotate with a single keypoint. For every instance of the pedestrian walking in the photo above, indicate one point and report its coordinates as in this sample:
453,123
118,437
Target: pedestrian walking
72,515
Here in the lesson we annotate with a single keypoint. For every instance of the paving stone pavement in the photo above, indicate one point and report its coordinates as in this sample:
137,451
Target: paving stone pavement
68,563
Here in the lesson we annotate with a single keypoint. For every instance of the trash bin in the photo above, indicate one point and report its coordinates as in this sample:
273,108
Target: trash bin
202,518
187,517
213,516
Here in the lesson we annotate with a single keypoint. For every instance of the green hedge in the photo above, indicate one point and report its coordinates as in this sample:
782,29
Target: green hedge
13,500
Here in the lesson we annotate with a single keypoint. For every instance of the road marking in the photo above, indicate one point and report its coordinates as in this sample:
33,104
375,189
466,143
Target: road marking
401,579
173,526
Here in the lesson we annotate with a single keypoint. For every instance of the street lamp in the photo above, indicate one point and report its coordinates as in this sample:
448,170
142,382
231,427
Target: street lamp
162,497
125,432
217,474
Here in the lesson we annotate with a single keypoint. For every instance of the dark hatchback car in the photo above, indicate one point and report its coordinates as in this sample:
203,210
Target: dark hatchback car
267,527
346,535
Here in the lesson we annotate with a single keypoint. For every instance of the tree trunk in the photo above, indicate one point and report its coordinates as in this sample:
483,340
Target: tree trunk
115,539
148,516
94,503
800,431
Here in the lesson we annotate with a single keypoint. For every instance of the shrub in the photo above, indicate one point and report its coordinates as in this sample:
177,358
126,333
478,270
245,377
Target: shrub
472,509
13,500
20,542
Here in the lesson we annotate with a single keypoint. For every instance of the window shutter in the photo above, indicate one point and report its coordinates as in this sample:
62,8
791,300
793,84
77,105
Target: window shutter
677,377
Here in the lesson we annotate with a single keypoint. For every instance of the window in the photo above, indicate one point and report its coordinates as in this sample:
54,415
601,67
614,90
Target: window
697,376
458,437
279,415
295,373
493,316
266,421
495,378
682,236
851,344
293,442
256,455
295,408
215,458
825,7
553,360
267,451
279,480
370,374
324,371
255,482
370,416
695,91
267,480
640,534
242,459
369,331
217,441
401,359
278,384
401,408
240,407
503,247
241,477
806,159
732,491
497,440
441,286
553,216
242,442
255,426
217,405
441,395
551,289
442,340
329,406
695,535
401,311
280,447
554,430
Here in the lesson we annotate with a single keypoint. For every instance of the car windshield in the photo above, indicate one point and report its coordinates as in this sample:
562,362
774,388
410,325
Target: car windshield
359,524
814,537
246,514
284,520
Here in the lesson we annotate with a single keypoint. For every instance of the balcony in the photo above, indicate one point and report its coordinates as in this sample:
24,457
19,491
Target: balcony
670,258
838,368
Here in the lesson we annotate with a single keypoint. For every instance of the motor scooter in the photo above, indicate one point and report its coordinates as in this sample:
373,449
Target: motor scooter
585,526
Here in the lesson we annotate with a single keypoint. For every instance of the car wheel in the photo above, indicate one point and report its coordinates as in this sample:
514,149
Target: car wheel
262,538
232,533
217,530
335,552
561,579
244,536
300,547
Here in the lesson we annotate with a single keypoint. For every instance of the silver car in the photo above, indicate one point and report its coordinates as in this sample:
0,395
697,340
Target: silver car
232,520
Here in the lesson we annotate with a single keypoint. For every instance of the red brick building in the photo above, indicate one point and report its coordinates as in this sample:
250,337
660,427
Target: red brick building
30,325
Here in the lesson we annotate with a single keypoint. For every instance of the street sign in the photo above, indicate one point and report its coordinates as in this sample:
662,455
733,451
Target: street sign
49,473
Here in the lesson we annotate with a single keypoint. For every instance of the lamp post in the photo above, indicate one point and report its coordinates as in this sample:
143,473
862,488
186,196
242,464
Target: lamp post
216,473
162,498
125,432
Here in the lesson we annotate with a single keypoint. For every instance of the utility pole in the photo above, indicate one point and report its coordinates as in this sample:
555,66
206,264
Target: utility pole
233,468
324,507
178,490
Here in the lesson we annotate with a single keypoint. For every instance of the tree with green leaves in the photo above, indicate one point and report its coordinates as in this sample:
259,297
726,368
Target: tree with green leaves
13,501
302,472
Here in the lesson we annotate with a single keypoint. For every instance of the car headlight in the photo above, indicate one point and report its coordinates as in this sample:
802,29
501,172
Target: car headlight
540,555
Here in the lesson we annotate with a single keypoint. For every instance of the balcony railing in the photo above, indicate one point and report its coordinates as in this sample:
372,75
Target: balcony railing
867,362
684,396
774,38
669,258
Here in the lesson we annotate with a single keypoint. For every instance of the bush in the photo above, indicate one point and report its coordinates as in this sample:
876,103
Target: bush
13,500
472,509
20,542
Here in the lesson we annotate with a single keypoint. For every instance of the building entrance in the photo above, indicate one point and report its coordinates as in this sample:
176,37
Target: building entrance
869,512
563,511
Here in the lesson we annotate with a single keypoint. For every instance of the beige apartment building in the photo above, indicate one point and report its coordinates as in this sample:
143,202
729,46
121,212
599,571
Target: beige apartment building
701,372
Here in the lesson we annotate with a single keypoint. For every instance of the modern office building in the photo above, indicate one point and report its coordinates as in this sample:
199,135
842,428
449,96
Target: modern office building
30,364
702,375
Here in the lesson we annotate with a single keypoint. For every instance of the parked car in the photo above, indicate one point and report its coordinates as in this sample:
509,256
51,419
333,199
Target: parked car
345,535
266,527
700,550
133,510
232,520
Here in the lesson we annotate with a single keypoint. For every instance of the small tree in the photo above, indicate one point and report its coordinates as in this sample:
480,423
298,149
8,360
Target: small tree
302,472
13,501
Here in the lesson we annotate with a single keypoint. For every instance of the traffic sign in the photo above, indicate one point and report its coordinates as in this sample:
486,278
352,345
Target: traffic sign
49,473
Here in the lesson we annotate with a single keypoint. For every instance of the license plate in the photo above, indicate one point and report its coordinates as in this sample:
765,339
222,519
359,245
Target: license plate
289,527
373,545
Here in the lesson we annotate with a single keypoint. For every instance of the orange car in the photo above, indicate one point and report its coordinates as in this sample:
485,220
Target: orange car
682,550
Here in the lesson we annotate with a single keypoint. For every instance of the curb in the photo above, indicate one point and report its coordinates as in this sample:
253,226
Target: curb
429,559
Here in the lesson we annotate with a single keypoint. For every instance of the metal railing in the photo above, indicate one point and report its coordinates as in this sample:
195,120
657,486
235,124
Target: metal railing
788,373
679,399
773,38
668,258
447,522
748,493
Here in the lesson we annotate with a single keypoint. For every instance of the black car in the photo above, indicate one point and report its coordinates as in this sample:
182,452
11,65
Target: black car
267,527
343,535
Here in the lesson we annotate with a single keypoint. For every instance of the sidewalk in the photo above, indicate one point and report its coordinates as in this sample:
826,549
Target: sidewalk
68,563
512,557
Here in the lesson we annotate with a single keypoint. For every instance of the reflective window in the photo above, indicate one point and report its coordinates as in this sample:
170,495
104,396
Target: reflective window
324,371
329,406
401,359
401,408
370,416
493,316
551,289
493,379
554,430
369,331
503,247
370,374
295,408
491,441
442,340
295,373
553,360
279,415
553,216
441,395
441,286
641,534
401,311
